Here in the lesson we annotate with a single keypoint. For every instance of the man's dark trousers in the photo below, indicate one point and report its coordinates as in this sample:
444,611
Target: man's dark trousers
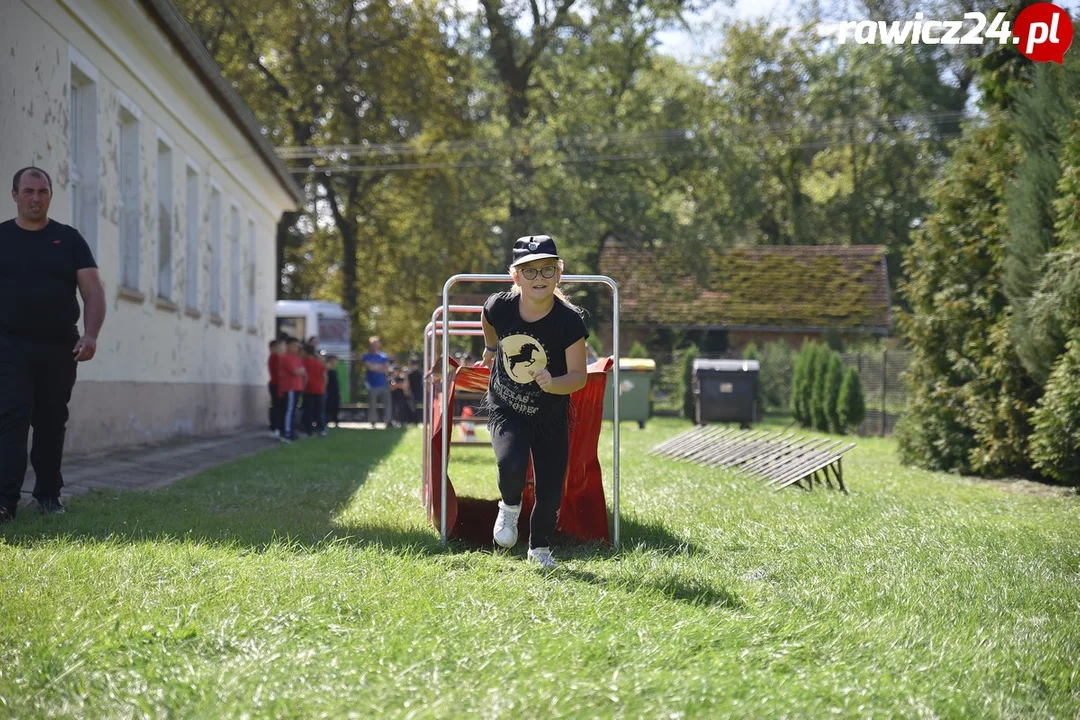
274,401
36,379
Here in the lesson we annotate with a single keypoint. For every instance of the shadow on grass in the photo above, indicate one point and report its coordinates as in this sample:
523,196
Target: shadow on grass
293,496
653,536
296,497
691,591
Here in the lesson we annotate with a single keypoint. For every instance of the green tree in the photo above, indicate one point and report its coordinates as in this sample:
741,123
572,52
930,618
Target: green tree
338,73
851,405
524,44
819,367
828,153
834,378
1055,442
798,384
776,375
967,388
804,390
1042,114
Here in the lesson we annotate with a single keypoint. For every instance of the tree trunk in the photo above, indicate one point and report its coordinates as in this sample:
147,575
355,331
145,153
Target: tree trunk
287,220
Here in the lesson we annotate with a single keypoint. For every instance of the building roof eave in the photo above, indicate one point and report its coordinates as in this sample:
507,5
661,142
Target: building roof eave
202,64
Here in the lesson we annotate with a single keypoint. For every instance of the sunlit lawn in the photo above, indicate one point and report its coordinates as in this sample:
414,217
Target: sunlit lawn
305,582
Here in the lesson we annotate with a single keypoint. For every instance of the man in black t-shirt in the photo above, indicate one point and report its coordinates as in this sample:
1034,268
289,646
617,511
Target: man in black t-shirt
42,262
416,390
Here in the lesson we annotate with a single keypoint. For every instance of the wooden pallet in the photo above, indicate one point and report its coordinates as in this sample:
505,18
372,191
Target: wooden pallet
781,459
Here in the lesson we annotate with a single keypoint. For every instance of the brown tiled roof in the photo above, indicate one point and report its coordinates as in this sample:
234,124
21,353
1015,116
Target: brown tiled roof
770,287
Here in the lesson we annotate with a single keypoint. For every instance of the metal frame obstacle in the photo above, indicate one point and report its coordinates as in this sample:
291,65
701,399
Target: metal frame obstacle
457,327
781,459
441,324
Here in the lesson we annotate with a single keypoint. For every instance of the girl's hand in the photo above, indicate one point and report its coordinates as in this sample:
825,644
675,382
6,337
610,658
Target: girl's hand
488,359
544,380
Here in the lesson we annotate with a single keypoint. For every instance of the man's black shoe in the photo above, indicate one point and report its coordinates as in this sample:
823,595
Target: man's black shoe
6,515
51,507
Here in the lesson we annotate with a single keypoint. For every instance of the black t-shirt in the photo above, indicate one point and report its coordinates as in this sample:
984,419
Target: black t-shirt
526,348
38,279
416,385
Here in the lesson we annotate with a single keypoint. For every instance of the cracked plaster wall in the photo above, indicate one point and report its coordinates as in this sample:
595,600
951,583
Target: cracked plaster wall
158,371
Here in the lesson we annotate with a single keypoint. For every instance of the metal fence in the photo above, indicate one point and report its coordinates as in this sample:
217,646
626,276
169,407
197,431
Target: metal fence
883,387
667,388
880,372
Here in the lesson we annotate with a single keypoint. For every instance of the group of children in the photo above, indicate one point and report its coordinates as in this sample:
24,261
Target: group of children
304,391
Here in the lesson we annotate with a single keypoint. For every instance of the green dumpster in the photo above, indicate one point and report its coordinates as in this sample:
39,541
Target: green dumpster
635,377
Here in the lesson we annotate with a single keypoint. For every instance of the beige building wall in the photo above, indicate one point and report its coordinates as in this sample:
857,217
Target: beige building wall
165,364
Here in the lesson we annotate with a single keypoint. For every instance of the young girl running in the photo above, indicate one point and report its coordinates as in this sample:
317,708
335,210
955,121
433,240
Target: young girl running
535,347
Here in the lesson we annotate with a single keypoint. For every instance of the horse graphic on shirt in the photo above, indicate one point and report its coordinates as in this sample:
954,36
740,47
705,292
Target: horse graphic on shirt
523,356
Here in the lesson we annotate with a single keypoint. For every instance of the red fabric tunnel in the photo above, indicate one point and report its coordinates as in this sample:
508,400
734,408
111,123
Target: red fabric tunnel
583,513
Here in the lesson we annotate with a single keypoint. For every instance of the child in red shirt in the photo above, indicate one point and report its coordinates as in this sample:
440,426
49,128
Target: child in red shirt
276,348
314,393
291,378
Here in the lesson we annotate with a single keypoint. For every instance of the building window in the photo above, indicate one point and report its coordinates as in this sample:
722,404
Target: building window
129,199
215,253
251,273
83,152
191,225
234,266
165,230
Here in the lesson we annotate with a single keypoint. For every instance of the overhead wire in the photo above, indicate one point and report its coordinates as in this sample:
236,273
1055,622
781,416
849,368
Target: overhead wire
414,147
541,162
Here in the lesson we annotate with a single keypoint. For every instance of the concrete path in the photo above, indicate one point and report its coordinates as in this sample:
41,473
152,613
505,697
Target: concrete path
155,466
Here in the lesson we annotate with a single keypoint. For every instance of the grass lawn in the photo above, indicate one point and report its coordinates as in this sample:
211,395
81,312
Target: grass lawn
305,582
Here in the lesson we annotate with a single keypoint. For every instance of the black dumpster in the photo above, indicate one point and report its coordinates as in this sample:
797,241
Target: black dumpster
726,391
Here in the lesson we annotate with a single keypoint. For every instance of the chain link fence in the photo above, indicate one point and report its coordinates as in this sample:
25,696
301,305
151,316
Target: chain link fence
667,384
879,370
883,387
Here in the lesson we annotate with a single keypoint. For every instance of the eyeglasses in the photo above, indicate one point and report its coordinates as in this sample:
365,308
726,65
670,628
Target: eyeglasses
547,271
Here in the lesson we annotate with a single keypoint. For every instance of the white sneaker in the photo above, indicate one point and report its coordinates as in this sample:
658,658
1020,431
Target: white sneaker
506,531
542,557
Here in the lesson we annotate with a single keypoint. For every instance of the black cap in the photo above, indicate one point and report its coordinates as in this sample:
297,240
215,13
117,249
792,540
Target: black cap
533,247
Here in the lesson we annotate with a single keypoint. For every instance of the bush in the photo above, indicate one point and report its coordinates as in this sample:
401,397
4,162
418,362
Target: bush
686,383
775,378
834,378
851,406
637,350
798,384
1055,444
953,286
809,366
819,366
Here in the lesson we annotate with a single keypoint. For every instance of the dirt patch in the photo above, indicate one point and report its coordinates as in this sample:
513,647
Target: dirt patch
1026,487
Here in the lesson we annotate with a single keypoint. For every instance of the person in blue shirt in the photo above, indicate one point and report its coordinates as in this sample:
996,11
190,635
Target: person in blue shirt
378,365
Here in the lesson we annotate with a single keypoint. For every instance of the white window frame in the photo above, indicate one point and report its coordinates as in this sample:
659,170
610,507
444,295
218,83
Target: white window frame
235,263
216,211
130,192
166,232
252,273
83,146
192,226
